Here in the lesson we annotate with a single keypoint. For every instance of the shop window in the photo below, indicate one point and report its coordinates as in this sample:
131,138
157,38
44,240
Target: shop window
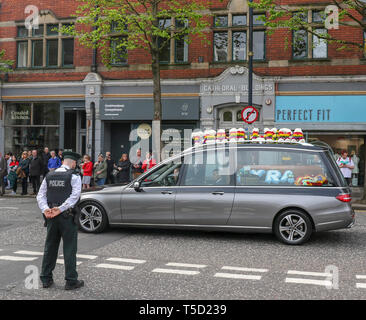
274,168
18,114
22,55
46,113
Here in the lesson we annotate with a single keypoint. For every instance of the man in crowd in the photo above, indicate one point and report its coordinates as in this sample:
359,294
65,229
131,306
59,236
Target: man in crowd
346,165
35,171
45,157
3,173
110,167
54,162
136,164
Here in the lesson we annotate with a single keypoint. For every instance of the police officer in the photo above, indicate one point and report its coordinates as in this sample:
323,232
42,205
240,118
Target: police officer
58,195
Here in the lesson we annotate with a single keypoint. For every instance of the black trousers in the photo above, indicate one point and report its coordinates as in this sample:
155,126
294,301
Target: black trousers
2,184
36,183
60,228
25,185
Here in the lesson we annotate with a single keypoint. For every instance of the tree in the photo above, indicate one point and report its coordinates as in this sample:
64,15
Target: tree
139,24
350,13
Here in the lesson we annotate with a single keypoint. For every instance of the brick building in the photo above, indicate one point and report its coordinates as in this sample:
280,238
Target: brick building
46,100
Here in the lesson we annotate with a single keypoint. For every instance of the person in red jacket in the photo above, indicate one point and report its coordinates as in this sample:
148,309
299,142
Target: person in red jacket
149,162
87,167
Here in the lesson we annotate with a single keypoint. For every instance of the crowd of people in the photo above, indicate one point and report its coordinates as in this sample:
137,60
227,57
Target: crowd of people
30,167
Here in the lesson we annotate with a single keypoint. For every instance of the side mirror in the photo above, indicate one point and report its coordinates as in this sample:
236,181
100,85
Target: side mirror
137,186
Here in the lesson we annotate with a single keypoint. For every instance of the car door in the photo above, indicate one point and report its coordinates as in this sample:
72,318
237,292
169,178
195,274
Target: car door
206,192
153,202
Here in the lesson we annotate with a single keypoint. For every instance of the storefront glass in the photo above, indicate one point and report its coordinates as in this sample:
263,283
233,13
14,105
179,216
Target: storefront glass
31,126
354,145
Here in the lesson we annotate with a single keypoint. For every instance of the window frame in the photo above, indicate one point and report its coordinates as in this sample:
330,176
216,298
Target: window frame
26,54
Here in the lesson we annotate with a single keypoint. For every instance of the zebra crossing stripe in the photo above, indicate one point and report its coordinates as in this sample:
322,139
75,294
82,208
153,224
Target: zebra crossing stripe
237,276
137,261
114,266
30,253
176,271
13,258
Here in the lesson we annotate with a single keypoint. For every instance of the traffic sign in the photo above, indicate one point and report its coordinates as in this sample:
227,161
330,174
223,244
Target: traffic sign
249,114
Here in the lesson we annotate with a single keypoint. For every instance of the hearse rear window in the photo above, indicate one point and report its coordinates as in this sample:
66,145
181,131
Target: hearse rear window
280,167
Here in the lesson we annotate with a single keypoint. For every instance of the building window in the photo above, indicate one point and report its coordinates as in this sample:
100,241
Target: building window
235,38
228,116
306,45
48,47
22,54
119,52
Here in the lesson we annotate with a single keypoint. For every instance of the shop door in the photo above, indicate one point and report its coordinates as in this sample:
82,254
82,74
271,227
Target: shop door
120,133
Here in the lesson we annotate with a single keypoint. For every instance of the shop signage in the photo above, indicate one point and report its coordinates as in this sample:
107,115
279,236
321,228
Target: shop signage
144,131
321,108
234,88
20,115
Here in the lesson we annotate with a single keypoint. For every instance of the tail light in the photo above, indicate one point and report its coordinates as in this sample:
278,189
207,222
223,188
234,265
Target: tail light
345,197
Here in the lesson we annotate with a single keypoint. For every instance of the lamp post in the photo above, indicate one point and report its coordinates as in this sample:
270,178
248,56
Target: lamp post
250,56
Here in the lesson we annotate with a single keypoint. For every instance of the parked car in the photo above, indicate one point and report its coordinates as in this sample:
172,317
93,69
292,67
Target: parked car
291,190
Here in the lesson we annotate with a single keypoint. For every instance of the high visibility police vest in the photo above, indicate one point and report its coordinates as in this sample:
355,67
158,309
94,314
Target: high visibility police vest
59,187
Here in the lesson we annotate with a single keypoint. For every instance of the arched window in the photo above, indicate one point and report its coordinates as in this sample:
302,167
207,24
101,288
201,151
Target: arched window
228,116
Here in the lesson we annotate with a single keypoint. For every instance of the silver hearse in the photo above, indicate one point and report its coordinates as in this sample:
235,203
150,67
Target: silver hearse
291,190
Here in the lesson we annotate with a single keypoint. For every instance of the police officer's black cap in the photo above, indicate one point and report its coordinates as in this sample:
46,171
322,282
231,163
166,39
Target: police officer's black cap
71,155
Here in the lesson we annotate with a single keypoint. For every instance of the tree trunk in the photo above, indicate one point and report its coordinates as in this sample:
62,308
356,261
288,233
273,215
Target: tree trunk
156,125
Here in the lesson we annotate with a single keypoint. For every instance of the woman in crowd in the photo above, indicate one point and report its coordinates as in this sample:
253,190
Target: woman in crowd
12,176
24,166
100,171
124,166
149,162
87,169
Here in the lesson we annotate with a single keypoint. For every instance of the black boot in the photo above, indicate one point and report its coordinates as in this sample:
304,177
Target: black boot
74,285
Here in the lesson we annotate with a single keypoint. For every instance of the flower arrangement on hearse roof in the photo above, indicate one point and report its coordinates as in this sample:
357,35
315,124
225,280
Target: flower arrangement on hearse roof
269,135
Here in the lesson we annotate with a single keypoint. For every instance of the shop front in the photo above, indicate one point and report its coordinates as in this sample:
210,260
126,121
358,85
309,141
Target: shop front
337,119
127,124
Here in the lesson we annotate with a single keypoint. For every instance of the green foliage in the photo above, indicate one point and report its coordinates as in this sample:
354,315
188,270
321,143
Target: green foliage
140,24
5,64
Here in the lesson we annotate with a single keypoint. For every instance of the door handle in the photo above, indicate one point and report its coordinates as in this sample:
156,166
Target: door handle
221,193
167,192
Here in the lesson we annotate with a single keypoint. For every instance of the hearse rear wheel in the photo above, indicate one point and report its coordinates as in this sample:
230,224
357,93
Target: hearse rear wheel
293,227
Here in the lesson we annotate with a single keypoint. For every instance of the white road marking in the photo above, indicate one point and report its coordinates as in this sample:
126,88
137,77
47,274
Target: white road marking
237,276
84,256
309,281
61,261
244,269
126,260
114,266
9,208
361,276
188,265
307,273
29,253
12,258
176,271
361,285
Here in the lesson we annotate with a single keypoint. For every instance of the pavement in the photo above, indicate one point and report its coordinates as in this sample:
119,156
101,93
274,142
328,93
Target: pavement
156,264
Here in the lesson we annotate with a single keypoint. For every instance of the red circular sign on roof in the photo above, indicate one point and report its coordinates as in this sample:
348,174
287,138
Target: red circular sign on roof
249,114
